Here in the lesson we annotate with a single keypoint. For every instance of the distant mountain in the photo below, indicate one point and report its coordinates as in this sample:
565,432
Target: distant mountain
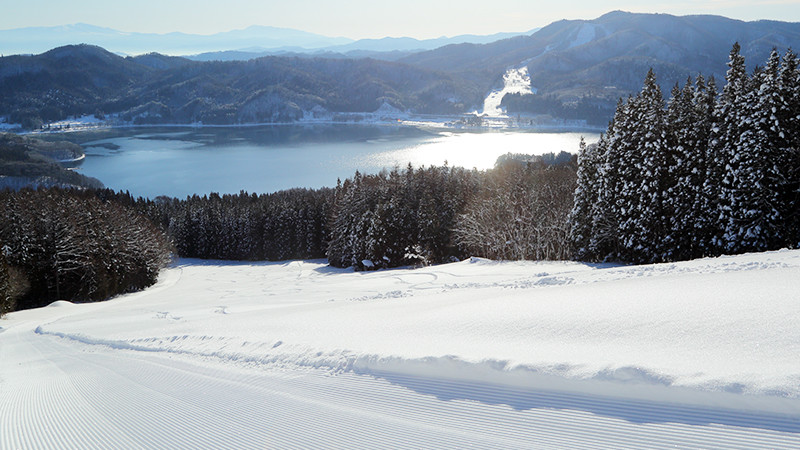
388,48
65,81
243,44
245,55
160,62
607,58
389,44
152,88
40,39
578,67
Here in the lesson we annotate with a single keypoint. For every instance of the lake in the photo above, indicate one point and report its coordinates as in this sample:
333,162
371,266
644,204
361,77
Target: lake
184,161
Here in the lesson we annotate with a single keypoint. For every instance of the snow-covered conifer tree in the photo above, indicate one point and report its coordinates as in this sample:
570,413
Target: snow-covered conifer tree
604,242
789,118
688,122
706,199
723,162
586,193
642,227
757,169
6,300
682,154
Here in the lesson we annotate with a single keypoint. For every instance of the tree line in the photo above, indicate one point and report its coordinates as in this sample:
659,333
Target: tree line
593,111
67,244
398,217
702,174
290,224
89,245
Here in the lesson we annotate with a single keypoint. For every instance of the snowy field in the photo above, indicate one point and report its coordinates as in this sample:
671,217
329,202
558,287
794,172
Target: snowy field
477,353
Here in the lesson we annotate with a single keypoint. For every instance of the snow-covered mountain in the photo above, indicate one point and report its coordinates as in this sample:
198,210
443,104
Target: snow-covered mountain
580,68
477,353
607,58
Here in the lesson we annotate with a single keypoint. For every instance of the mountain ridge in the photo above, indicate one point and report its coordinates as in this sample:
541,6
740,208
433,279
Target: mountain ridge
259,39
83,79
579,68
606,58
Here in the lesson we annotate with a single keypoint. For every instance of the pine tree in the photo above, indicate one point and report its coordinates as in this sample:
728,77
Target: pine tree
586,195
688,121
643,234
342,224
723,159
706,196
6,299
604,242
789,118
679,190
757,169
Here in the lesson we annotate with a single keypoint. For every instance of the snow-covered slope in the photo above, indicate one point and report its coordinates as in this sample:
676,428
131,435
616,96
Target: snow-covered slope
515,81
697,354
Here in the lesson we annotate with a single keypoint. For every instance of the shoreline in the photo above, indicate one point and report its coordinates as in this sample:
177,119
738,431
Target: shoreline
72,160
450,123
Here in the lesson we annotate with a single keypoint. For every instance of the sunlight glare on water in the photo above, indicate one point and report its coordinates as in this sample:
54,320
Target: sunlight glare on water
479,150
267,159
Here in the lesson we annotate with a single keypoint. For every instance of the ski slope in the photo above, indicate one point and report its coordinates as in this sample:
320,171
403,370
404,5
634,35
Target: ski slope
515,81
700,354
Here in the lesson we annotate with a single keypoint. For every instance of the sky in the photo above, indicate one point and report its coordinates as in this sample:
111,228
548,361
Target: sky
358,19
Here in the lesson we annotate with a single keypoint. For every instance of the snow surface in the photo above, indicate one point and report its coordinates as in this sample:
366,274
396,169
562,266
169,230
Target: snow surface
78,122
515,81
475,353
6,126
585,34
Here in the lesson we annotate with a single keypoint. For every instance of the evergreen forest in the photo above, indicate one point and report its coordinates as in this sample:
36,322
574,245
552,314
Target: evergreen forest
703,175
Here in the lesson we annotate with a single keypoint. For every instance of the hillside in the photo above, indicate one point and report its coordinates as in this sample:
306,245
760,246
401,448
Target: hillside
152,88
63,82
283,89
606,58
27,162
579,68
477,353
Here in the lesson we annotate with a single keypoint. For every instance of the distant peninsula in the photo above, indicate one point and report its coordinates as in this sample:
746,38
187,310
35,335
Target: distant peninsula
26,162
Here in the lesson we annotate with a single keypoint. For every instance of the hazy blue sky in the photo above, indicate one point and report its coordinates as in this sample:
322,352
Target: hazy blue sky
360,18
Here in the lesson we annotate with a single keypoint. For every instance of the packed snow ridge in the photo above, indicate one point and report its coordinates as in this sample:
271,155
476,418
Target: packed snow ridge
699,353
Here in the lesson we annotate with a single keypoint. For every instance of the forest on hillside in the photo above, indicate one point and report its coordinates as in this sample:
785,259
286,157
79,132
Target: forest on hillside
81,80
578,69
26,162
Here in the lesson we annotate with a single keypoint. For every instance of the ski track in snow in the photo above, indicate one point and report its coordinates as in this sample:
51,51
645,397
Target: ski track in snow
201,361
135,400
